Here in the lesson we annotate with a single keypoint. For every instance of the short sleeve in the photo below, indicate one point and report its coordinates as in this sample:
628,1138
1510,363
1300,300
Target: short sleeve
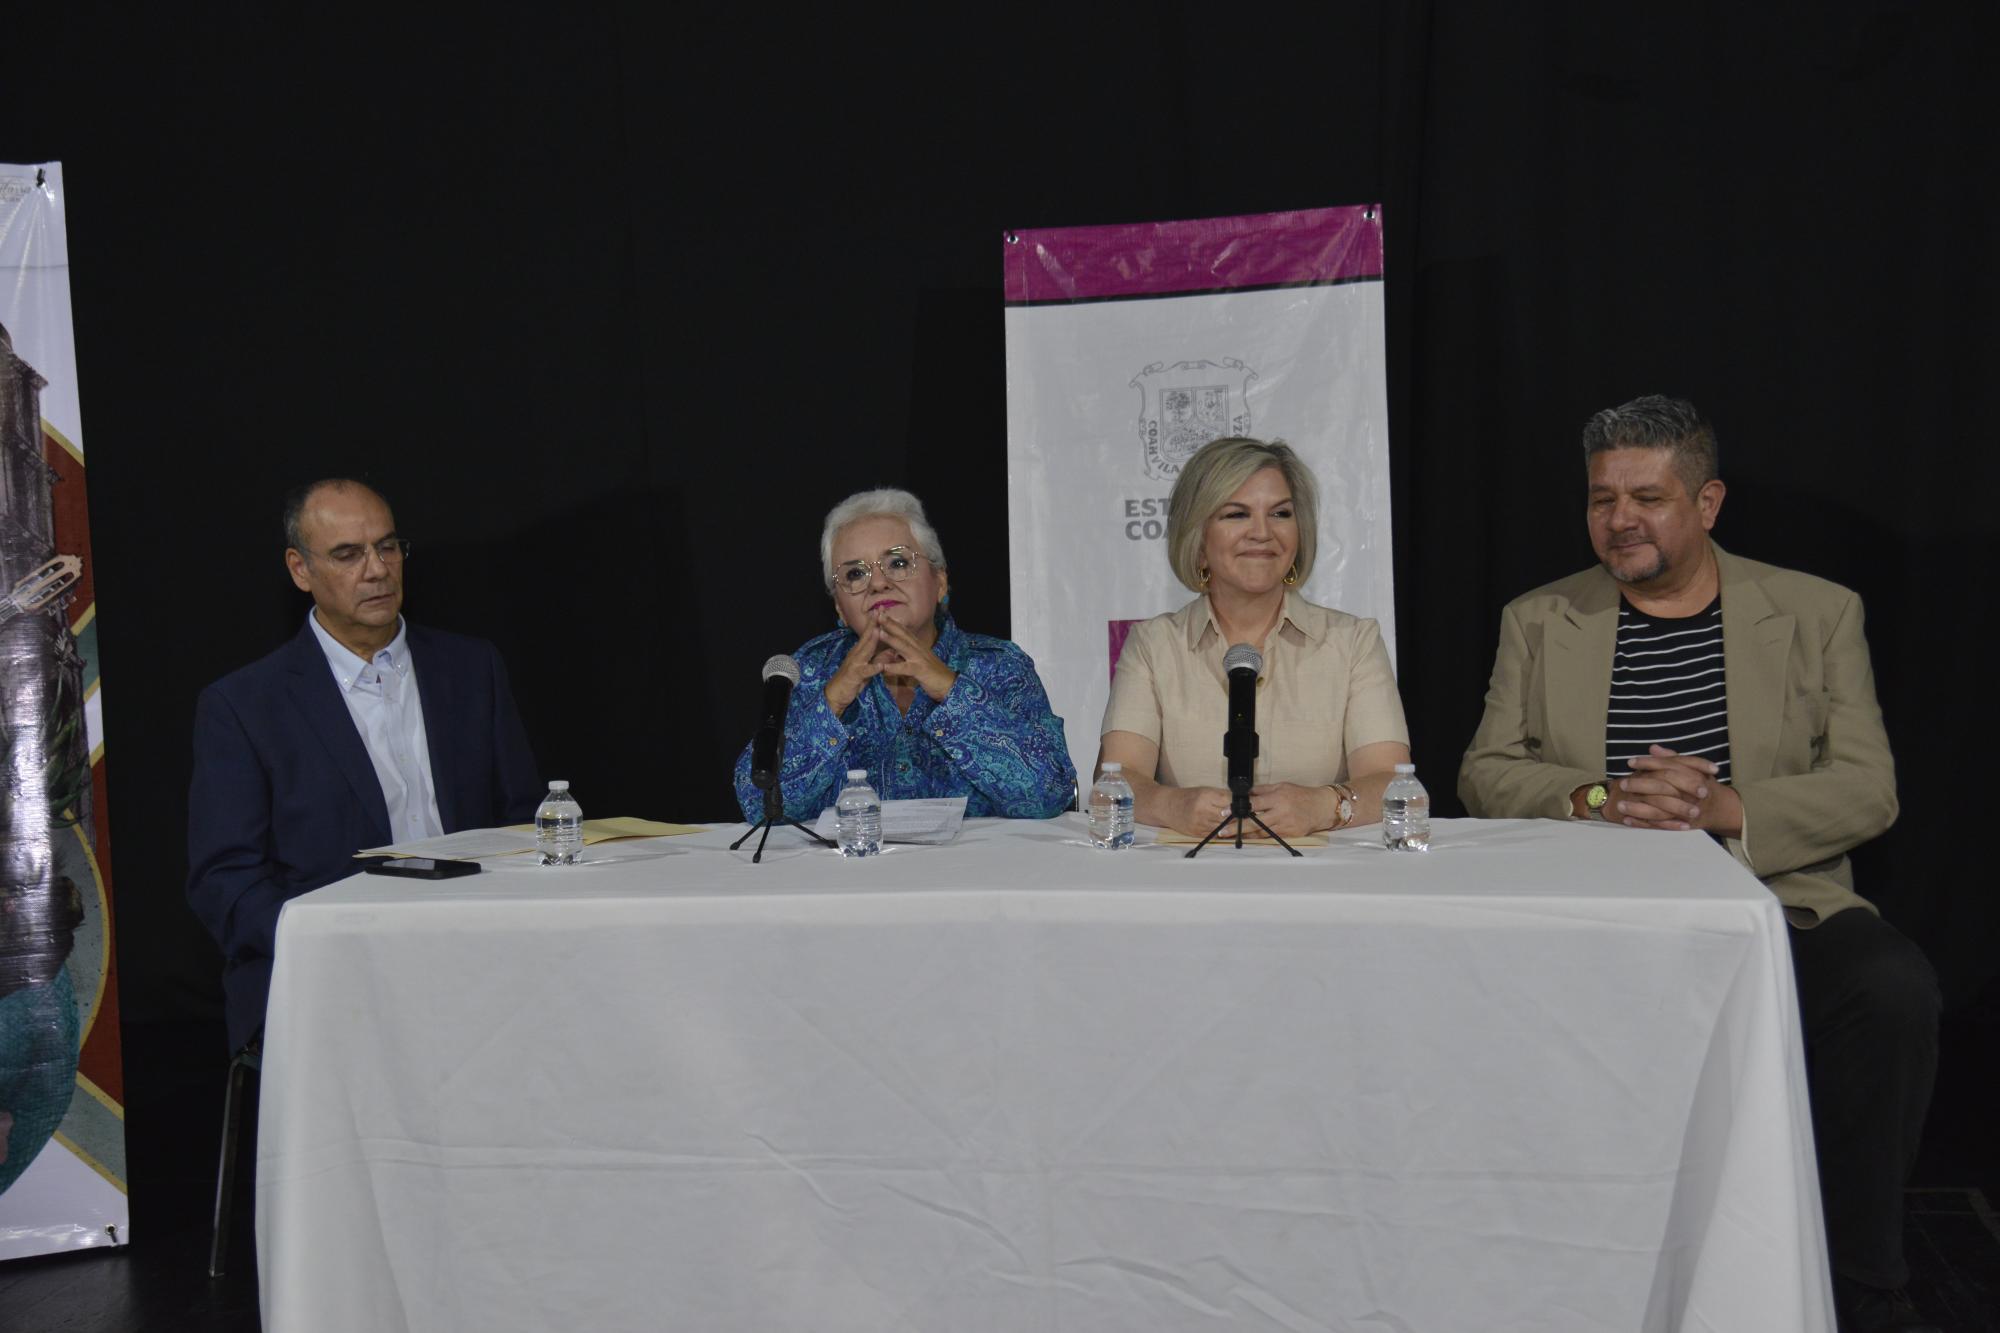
1135,696
1374,708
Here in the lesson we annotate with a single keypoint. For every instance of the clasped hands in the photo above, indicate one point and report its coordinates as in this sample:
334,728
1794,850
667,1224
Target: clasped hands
1668,790
887,648
1290,810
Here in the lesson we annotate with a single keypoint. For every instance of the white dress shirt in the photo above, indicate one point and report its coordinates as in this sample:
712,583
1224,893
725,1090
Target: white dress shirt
381,695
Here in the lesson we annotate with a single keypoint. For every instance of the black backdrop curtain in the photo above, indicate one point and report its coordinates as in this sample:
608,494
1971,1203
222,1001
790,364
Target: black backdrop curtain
615,301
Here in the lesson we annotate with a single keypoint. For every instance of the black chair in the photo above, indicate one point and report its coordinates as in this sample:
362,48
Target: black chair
249,1062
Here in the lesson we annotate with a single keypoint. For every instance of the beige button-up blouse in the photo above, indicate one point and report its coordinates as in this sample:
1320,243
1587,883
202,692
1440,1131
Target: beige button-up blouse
1327,690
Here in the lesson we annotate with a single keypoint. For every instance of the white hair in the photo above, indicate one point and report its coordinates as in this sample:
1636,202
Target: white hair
885,503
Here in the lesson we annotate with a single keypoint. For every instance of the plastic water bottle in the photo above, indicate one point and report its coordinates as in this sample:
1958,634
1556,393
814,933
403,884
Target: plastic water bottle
1406,812
860,813
558,827
1111,810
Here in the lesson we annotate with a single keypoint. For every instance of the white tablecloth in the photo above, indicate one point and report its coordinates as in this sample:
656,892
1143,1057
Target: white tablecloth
1546,1077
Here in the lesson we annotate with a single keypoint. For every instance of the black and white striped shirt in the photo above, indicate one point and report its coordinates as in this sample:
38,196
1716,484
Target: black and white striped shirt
1667,688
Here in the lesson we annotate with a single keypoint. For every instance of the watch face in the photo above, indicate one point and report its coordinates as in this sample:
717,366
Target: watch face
1596,797
1346,811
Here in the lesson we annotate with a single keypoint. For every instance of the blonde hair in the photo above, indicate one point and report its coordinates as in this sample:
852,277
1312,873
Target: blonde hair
1216,472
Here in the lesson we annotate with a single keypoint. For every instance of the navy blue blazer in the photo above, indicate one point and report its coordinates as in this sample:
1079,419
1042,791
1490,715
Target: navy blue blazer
283,793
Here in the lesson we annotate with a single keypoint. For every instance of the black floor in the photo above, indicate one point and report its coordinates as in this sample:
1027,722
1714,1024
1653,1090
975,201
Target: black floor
1952,1235
159,1283
174,1083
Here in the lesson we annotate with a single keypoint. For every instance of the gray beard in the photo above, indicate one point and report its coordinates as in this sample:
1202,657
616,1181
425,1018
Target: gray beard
1659,567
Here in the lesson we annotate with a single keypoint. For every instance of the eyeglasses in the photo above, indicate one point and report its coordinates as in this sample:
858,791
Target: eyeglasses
897,563
390,551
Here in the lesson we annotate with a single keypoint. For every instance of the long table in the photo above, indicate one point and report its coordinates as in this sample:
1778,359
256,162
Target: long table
1545,1077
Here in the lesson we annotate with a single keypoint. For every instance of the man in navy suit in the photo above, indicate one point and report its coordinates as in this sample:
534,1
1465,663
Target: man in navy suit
362,731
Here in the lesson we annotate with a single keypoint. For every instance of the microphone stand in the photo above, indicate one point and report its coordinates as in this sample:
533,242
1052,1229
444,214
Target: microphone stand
1239,810
774,813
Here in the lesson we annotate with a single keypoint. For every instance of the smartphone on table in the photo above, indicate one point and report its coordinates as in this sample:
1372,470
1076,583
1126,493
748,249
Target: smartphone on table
422,867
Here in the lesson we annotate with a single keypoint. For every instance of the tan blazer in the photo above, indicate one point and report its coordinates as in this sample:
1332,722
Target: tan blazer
1808,755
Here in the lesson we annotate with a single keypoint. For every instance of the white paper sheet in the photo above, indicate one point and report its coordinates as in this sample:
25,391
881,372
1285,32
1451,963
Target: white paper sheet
465,845
932,822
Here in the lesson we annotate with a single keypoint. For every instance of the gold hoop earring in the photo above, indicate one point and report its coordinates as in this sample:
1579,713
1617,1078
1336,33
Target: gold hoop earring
1292,576
1203,571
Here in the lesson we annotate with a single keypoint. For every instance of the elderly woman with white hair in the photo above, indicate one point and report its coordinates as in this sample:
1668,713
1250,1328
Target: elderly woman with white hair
900,690
1242,530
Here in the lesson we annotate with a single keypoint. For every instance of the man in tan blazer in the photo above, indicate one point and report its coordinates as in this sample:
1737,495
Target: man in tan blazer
1675,686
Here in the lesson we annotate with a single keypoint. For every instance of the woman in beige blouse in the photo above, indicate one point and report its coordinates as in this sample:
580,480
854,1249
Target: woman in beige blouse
1242,527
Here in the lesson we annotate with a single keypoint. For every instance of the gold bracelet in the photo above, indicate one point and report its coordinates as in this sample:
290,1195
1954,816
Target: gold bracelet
1345,805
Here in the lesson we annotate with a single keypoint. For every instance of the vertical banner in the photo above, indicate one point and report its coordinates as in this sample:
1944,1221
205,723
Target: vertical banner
62,1117
1130,347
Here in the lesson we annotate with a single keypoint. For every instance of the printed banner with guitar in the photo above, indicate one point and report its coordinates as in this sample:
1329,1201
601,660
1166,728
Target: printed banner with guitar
62,1114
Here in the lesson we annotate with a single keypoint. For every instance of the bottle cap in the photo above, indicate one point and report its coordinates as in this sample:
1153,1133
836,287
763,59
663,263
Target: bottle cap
1113,767
558,785
856,774
1406,768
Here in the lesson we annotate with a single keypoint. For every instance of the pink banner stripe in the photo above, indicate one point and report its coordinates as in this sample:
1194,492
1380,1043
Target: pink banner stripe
1320,245
1120,630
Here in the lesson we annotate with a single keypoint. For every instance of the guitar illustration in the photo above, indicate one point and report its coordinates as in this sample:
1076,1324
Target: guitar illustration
40,587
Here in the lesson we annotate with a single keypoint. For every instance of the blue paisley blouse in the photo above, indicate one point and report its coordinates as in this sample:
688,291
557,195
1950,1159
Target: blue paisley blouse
991,740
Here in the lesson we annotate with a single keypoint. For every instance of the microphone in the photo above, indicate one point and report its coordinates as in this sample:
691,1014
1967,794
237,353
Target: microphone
781,673
1239,746
1239,743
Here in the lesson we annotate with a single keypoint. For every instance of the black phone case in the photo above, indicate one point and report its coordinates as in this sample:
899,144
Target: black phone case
438,869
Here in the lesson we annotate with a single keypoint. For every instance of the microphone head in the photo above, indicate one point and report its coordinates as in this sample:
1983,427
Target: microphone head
784,664
1242,657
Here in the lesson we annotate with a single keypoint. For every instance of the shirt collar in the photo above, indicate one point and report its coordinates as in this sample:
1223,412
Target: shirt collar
1306,618
348,667
1300,619
949,637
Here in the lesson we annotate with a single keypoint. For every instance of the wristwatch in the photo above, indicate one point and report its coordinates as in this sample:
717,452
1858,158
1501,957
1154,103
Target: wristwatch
1595,800
1343,808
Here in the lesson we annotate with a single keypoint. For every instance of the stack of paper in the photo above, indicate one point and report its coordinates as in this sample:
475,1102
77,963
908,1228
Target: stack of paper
930,821
476,843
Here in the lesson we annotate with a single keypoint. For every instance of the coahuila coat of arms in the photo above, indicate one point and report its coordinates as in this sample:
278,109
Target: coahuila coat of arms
1185,405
